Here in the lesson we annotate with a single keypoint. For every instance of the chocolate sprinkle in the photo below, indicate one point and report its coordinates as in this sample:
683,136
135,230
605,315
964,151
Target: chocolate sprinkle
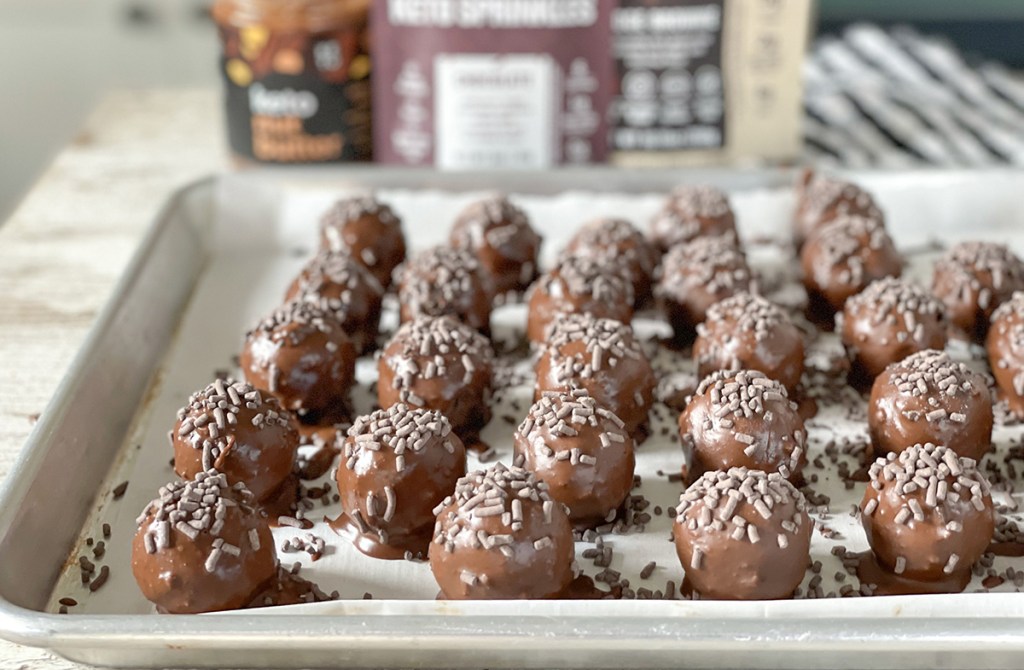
204,421
193,508
485,494
397,428
721,493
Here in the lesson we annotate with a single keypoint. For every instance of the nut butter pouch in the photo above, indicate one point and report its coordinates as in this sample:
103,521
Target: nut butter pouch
707,81
475,84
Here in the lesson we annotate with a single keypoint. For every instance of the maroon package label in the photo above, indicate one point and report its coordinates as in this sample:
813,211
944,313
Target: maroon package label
474,84
668,59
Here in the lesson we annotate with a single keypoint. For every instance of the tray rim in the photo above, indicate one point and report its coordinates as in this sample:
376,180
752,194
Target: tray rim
26,626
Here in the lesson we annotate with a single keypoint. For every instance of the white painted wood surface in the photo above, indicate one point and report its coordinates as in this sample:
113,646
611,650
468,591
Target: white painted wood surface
64,247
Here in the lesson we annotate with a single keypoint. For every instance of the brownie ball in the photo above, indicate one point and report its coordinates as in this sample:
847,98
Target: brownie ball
202,546
743,419
840,259
339,284
397,465
928,513
695,276
743,535
582,451
499,234
973,279
691,212
370,231
237,429
301,354
821,199
928,397
502,537
603,357
745,331
1006,350
885,323
443,281
441,364
578,285
618,243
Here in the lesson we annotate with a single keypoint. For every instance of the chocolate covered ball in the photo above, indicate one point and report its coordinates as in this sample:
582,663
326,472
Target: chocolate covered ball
928,513
397,464
929,397
339,284
840,259
301,354
370,231
1006,350
603,357
885,323
578,285
821,199
242,432
746,331
695,276
500,536
618,243
743,535
691,212
442,281
972,280
202,546
441,364
499,234
582,451
743,419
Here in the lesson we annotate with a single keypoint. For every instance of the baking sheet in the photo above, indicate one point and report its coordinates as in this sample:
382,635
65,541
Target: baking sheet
260,239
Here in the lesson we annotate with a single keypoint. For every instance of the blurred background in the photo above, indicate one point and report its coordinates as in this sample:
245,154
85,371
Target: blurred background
60,56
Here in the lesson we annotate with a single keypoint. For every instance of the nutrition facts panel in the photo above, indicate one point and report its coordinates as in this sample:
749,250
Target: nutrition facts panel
668,56
494,111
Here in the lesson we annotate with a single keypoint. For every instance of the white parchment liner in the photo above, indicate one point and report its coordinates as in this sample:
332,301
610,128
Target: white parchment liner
260,239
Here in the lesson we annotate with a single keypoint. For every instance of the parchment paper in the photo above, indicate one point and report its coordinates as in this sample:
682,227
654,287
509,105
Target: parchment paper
260,238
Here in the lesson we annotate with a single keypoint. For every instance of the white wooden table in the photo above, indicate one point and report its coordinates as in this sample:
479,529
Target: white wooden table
66,244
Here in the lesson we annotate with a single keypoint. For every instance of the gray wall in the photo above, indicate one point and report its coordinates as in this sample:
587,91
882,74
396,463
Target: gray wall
58,56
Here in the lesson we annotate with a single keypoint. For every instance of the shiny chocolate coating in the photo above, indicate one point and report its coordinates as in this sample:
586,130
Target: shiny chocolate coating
618,243
499,234
743,535
973,279
577,285
743,419
928,397
582,451
338,283
442,364
927,513
397,464
603,357
885,323
746,331
500,536
202,546
442,281
239,430
1005,345
840,259
695,276
821,199
288,588
692,212
301,354
370,231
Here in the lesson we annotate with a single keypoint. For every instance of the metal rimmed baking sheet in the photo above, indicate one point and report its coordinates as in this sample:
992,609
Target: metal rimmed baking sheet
243,234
